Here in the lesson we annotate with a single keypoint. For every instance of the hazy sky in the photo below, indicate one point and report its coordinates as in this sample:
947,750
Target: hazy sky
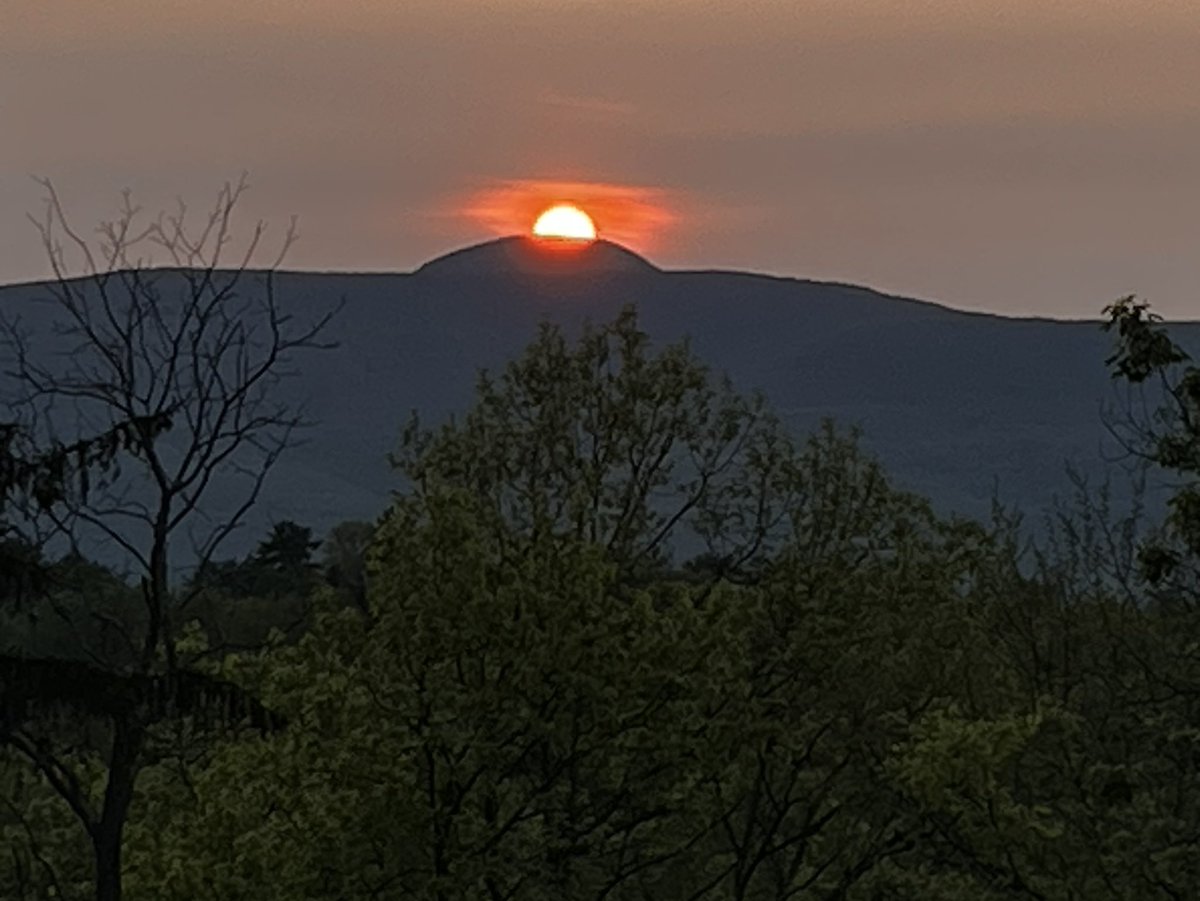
1020,156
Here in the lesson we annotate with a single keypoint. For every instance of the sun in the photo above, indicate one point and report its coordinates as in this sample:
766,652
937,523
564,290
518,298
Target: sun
565,221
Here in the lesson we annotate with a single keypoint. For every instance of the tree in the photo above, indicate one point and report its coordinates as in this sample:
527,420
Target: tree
1069,771
647,456
289,548
202,346
512,582
545,704
344,560
625,640
33,479
282,565
1165,430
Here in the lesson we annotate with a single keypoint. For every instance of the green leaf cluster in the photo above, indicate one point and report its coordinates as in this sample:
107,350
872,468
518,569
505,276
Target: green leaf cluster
620,637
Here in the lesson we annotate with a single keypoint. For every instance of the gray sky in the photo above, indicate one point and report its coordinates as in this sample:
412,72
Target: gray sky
1018,156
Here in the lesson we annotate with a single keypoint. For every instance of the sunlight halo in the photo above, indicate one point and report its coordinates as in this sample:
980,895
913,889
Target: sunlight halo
565,221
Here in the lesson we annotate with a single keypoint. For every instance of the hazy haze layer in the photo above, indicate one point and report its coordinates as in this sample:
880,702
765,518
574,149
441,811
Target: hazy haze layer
999,156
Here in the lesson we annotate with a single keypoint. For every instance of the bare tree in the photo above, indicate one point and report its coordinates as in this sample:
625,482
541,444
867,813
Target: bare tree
183,363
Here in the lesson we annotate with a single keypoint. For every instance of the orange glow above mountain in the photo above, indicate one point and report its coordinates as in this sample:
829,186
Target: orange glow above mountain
565,221
636,217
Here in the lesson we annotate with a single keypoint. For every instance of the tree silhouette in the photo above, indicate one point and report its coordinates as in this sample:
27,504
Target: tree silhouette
199,346
282,565
290,546
344,560
1165,432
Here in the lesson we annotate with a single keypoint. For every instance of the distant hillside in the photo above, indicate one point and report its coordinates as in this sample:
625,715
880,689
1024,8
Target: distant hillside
954,403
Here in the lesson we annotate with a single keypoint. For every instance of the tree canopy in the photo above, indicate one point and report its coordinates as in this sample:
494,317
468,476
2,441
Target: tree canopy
620,637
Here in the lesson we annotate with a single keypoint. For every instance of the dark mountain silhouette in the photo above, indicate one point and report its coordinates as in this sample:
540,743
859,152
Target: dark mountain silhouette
954,403
518,257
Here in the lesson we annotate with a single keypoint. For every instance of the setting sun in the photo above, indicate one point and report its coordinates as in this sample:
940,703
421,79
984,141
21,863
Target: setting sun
565,221
637,217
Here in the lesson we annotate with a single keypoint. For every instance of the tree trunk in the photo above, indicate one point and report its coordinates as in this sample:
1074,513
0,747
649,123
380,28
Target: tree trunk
108,867
109,831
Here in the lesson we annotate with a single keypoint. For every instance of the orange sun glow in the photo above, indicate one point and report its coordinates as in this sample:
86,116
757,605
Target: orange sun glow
565,221
639,218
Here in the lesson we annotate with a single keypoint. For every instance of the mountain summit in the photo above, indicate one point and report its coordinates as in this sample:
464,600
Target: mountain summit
956,405
519,255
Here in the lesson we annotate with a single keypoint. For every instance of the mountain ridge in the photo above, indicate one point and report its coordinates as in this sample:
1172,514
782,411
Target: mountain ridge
458,253
950,400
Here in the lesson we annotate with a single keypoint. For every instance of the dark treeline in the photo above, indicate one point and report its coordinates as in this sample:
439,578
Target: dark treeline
618,636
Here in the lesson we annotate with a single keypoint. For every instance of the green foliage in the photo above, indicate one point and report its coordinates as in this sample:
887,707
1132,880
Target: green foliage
45,854
344,559
541,705
46,475
281,566
620,638
134,348
1144,348
35,478
288,549
607,443
1168,437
